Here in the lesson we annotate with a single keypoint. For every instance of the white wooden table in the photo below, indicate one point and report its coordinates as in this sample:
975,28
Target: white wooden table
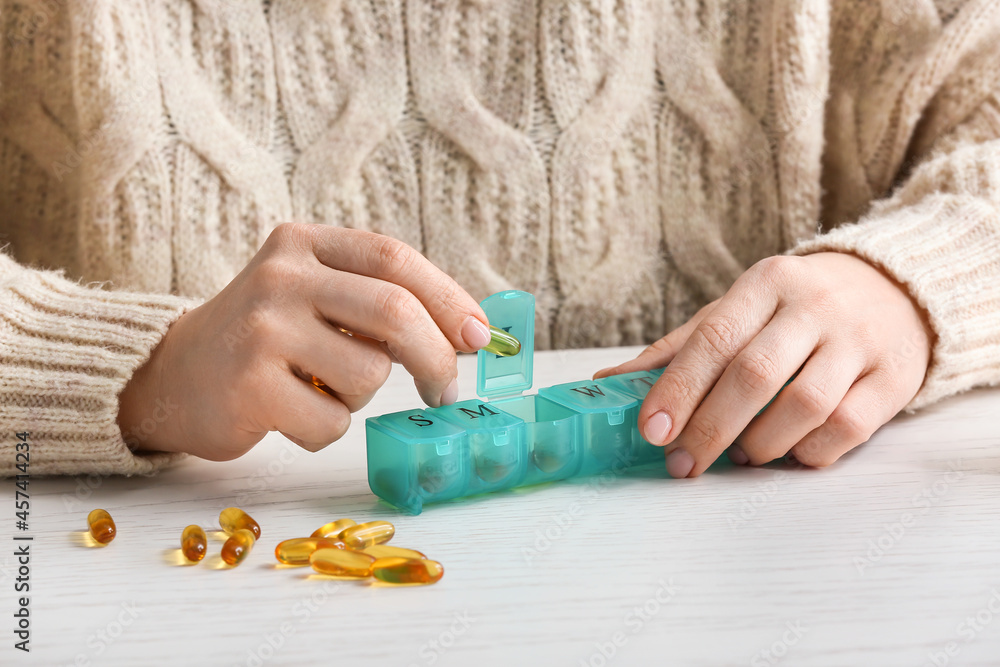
890,557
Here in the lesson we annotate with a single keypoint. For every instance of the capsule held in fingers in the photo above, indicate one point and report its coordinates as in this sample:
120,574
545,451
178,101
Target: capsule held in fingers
502,343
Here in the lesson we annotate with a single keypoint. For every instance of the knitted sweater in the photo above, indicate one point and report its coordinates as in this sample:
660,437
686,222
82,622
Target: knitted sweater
623,160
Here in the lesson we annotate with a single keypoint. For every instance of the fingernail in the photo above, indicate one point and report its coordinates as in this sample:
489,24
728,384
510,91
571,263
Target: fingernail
657,428
475,333
738,456
604,372
679,463
450,393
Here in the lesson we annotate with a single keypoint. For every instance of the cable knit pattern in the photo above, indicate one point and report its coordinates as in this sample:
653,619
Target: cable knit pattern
217,72
122,180
625,160
485,218
342,74
599,79
36,122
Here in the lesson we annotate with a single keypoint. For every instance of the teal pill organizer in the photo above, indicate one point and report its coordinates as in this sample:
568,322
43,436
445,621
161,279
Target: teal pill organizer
507,439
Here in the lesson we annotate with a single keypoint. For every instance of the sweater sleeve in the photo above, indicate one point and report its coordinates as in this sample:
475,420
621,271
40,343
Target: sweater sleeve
66,353
939,236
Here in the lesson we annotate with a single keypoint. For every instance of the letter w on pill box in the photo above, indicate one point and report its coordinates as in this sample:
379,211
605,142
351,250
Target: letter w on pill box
508,440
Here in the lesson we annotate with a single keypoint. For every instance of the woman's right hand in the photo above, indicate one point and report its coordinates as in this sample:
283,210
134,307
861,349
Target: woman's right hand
240,365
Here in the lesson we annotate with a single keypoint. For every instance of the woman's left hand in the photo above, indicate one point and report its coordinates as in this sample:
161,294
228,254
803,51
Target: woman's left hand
858,342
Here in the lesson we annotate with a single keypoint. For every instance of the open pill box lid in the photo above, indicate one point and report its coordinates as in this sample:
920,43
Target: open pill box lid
497,377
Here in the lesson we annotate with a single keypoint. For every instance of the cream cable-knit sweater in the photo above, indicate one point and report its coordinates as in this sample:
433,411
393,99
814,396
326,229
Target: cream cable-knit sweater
625,160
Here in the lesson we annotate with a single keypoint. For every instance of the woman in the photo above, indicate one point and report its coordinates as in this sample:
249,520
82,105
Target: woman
791,187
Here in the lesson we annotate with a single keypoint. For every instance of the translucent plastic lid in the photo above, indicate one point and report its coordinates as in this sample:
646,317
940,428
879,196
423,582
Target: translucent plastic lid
514,312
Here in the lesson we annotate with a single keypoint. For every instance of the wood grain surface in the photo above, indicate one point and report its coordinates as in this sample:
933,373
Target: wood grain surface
889,557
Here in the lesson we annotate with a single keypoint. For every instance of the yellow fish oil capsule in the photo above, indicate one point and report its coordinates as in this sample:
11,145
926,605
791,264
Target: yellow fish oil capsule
233,518
319,384
502,343
238,546
194,543
387,551
297,551
102,526
342,563
365,535
333,528
407,571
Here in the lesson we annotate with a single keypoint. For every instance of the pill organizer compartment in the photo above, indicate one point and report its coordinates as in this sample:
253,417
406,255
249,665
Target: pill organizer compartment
497,451
504,439
552,437
609,421
637,385
416,457
550,431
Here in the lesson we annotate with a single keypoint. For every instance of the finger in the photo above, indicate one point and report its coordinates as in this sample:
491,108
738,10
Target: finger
802,406
709,350
755,375
660,353
352,368
304,413
387,312
457,314
865,408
